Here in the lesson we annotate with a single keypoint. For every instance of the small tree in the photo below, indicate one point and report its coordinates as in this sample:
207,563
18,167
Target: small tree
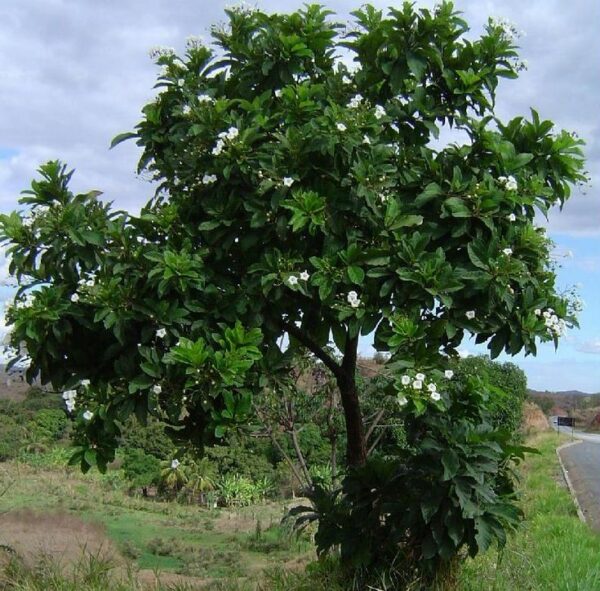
299,196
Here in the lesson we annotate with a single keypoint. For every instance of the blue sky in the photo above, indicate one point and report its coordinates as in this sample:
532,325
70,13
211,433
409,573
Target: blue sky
76,74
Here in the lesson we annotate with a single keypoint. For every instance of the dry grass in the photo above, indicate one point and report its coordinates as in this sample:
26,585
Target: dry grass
59,536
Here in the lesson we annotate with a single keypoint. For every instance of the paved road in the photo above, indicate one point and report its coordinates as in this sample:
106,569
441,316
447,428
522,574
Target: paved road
582,462
591,437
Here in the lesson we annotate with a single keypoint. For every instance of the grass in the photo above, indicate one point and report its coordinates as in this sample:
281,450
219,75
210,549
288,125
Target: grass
235,550
170,537
552,550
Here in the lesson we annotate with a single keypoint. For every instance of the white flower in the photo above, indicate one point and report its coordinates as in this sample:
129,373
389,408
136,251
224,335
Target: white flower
346,79
288,181
209,179
278,93
218,147
366,140
205,98
470,314
394,127
449,374
547,314
379,112
186,110
511,184
405,380
502,180
194,42
75,298
435,396
432,387
90,283
550,311
352,295
159,51
304,275
402,400
161,333
355,101
175,464
537,312
420,377
180,82
156,389
355,303
69,397
87,415
512,217
507,251
232,133
292,280
417,384
341,127
85,383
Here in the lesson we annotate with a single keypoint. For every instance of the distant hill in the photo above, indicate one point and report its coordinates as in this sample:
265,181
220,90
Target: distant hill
561,393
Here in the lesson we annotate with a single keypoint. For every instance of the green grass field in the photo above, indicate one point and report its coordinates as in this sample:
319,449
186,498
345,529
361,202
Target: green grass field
184,539
229,549
553,550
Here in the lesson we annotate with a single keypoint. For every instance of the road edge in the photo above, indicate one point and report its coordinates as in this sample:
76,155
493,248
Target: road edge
568,480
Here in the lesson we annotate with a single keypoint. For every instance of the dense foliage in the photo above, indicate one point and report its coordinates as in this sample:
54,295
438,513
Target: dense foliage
410,514
298,195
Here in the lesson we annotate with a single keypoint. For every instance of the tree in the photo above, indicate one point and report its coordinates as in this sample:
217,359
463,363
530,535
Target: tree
298,197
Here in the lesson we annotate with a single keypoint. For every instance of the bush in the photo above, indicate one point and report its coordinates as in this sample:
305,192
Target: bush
150,438
47,425
12,437
414,513
141,469
235,490
508,386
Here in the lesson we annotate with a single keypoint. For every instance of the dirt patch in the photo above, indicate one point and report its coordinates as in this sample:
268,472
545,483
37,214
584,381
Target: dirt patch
61,537
534,419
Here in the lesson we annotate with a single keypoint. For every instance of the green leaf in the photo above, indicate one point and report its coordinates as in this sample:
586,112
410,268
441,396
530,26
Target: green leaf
128,135
431,191
451,464
429,507
90,457
484,535
356,274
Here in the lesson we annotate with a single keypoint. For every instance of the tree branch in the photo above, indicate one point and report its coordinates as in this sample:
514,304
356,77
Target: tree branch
312,346
374,424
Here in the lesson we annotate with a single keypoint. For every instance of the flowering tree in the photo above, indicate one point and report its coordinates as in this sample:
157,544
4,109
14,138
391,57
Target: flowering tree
300,194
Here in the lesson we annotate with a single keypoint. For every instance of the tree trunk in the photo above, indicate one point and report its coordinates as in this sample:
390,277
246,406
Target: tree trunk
356,446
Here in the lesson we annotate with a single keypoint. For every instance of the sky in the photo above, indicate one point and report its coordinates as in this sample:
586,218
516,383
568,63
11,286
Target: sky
74,73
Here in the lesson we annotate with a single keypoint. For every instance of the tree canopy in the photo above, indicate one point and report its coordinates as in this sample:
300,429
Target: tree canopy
304,192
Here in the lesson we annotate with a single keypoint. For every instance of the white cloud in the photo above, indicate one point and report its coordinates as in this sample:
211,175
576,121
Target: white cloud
589,346
75,75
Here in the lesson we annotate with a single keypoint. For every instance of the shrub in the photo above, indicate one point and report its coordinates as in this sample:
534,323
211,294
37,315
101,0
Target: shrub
508,386
235,490
47,425
452,489
12,437
140,468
